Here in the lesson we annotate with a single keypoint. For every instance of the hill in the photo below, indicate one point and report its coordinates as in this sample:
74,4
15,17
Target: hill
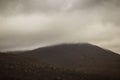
83,61
84,57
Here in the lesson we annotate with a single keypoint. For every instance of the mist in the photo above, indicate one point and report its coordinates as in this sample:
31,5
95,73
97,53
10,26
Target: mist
30,24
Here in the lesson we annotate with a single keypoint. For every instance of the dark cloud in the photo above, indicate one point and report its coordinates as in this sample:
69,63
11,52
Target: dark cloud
46,6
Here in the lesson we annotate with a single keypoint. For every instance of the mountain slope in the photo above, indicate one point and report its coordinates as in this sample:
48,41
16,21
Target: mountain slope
86,58
13,67
87,62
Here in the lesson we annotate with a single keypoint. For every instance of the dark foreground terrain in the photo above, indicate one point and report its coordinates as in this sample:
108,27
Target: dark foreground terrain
61,62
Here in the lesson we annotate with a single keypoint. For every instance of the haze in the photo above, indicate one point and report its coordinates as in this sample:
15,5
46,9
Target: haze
29,24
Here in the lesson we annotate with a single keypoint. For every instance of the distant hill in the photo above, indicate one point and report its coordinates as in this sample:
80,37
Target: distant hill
87,59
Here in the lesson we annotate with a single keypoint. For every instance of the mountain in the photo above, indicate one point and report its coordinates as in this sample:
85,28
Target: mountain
87,59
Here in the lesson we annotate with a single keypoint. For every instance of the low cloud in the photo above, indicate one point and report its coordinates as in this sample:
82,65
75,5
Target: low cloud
48,22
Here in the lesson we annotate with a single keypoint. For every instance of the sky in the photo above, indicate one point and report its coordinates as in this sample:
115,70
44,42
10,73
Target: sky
30,24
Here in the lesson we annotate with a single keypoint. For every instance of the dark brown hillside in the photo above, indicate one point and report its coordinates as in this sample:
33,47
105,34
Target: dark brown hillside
61,62
13,67
84,57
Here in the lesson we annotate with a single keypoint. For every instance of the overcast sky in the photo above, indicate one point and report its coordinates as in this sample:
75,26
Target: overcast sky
29,24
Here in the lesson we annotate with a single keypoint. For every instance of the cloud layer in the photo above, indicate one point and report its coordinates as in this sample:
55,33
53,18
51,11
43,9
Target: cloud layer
28,24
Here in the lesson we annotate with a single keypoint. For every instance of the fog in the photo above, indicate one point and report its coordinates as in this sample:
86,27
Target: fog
29,24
